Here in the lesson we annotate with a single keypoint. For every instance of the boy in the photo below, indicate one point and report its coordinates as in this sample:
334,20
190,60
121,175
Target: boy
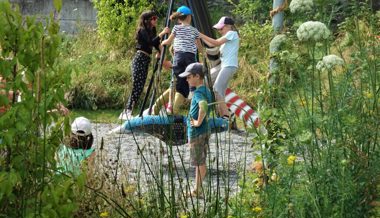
197,125
77,147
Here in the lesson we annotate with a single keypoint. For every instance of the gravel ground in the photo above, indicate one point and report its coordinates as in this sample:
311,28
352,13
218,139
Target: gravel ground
231,152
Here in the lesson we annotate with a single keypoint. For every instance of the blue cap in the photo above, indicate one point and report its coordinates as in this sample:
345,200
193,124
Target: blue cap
184,10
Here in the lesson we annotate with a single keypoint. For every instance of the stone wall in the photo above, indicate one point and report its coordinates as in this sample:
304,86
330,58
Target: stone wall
74,13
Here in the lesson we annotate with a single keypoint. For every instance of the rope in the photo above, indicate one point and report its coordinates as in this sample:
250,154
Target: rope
279,9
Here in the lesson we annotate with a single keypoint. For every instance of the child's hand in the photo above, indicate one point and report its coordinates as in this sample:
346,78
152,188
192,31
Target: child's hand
167,65
166,30
194,123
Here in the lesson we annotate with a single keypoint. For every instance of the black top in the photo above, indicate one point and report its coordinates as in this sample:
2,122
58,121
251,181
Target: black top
146,40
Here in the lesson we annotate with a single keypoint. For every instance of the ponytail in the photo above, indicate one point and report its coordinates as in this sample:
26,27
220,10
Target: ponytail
178,15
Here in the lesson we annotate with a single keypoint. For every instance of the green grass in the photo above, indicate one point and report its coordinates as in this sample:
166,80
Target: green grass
98,116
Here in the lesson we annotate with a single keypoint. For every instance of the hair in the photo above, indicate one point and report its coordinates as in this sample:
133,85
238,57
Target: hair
144,22
81,142
179,16
233,28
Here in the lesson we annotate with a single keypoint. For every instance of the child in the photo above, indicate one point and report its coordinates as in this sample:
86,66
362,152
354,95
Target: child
146,39
229,47
197,125
186,43
77,149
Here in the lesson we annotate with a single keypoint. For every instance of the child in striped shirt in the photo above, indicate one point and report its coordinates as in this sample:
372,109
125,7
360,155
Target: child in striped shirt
186,44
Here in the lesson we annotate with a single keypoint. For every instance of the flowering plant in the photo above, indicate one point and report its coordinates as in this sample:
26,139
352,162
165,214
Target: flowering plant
301,6
312,31
329,61
276,42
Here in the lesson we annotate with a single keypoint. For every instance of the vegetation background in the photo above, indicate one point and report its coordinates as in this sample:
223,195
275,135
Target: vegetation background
320,157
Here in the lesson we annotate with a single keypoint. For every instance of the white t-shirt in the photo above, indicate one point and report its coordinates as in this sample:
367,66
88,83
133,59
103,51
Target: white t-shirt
229,50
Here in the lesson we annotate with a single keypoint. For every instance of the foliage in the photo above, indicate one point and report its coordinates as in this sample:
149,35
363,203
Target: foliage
117,20
28,63
322,140
101,76
256,10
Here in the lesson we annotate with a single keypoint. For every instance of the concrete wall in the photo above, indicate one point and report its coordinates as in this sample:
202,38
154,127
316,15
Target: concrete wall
74,13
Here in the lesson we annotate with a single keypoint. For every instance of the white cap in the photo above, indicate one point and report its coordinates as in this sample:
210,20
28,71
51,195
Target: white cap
81,126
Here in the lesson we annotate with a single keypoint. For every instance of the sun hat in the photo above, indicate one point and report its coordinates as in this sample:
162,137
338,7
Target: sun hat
184,10
194,68
223,21
81,126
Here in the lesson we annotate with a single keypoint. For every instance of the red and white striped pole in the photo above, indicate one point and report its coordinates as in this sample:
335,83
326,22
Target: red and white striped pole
241,109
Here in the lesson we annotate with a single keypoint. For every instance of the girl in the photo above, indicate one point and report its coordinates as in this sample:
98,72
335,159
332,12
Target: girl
186,43
229,47
146,39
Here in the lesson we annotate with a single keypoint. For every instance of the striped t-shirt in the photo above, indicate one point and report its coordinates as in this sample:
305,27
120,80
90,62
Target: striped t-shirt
185,37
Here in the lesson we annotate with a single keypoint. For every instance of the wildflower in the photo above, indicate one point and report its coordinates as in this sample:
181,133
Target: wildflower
276,42
291,159
302,102
257,209
183,215
312,31
329,62
274,177
301,6
104,214
368,94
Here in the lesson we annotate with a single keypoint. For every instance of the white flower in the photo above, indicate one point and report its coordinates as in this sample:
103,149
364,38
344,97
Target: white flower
312,31
328,62
276,42
301,6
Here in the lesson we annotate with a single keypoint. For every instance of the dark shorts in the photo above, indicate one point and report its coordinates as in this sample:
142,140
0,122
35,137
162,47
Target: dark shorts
198,149
180,61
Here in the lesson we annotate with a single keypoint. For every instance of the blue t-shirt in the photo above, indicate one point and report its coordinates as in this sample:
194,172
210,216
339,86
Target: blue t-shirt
200,94
69,160
229,50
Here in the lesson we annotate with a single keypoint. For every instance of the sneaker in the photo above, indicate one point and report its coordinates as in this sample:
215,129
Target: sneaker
126,115
169,109
146,112
229,117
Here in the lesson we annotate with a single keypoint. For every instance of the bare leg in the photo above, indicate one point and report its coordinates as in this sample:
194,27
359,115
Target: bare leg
222,106
179,101
160,101
200,173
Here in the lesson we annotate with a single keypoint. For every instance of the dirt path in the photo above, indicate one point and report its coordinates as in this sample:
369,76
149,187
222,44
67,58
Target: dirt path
229,155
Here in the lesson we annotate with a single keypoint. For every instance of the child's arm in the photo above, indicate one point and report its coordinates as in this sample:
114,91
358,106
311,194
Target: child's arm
203,107
212,42
169,40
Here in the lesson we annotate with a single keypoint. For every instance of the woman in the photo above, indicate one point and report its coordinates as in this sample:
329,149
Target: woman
146,39
229,47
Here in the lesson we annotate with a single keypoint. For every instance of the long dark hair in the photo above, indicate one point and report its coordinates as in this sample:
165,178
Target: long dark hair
144,22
